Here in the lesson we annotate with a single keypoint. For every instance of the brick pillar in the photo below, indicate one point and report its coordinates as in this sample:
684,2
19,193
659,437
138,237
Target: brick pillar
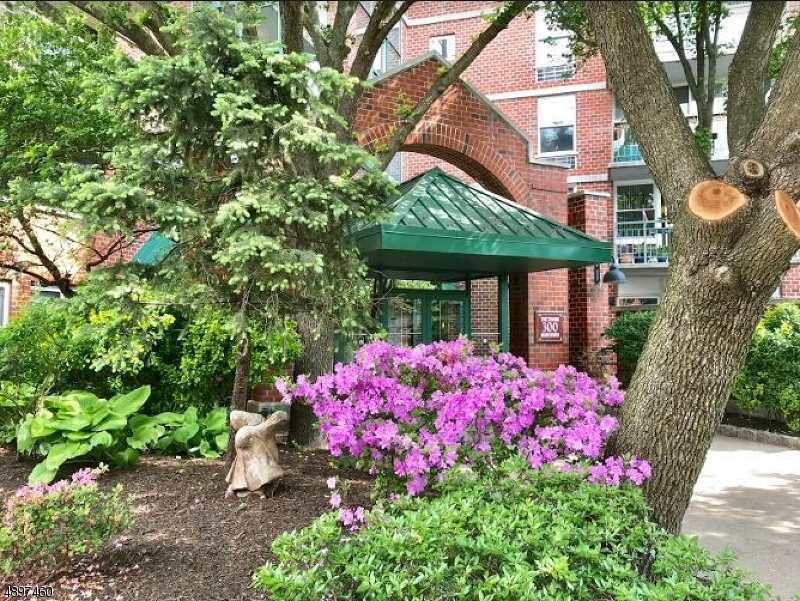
589,311
518,314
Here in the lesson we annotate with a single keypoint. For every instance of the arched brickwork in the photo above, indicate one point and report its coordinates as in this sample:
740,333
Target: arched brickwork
464,129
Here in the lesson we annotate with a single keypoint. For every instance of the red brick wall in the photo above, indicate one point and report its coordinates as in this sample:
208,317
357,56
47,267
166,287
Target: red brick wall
21,285
790,287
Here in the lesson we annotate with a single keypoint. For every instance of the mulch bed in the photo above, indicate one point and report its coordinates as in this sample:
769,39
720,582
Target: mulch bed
187,541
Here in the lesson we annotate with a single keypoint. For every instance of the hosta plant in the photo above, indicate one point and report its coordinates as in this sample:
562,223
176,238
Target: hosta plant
78,424
184,433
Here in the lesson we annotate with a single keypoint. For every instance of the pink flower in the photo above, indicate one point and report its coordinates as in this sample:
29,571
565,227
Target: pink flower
331,482
336,500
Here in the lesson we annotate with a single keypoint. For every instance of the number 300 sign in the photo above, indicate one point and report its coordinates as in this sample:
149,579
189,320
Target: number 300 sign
549,327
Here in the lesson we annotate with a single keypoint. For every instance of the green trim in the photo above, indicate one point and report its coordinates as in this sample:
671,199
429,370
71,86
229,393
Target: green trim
502,312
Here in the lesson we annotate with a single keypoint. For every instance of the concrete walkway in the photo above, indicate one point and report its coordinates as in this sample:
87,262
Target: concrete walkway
748,499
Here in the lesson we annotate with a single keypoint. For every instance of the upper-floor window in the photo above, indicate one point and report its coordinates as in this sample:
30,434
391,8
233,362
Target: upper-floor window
389,55
5,302
553,57
556,118
444,45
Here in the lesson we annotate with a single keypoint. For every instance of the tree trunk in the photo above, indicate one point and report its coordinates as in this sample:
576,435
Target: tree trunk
317,359
241,389
697,345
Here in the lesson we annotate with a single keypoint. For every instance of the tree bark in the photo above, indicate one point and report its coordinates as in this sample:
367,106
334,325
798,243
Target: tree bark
317,359
697,345
241,380
722,270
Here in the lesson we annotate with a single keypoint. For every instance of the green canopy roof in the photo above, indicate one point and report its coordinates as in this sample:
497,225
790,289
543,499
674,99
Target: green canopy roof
442,228
153,250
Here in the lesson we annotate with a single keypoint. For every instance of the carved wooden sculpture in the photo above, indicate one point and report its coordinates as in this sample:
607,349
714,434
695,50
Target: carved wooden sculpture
255,468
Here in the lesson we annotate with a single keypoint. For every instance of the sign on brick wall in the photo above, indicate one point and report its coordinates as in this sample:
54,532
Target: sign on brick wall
549,327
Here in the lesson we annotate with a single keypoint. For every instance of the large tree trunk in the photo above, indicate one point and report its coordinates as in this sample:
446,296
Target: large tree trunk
317,359
697,345
730,245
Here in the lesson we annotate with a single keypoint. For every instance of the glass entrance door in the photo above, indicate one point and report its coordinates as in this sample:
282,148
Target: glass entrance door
415,316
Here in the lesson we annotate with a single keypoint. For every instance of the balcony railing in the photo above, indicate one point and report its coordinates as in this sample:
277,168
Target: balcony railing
626,150
643,242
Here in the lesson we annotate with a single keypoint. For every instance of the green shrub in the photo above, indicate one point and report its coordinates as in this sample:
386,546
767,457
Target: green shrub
45,525
16,401
515,533
78,424
187,357
629,334
182,434
770,380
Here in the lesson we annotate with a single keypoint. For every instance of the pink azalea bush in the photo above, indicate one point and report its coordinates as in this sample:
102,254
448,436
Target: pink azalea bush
44,524
410,414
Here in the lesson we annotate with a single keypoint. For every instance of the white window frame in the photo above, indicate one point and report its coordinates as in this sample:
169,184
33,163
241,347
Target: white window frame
46,289
551,123
434,43
560,66
5,306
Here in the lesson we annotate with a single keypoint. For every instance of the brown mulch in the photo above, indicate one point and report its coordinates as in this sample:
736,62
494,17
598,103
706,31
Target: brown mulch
759,423
187,541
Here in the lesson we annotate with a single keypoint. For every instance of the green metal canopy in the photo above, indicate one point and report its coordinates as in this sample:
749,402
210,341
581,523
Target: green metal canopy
155,248
442,228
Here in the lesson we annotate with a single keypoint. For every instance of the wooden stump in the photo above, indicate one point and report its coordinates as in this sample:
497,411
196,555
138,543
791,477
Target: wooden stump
255,469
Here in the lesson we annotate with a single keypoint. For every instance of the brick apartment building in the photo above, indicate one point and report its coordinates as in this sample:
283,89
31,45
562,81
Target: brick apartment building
569,115
577,143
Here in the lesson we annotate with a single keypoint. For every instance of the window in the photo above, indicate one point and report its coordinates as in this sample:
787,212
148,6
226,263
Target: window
43,293
270,28
643,232
553,55
5,302
444,45
388,56
557,124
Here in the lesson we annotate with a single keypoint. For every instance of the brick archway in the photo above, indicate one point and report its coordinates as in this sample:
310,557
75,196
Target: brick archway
462,128
467,130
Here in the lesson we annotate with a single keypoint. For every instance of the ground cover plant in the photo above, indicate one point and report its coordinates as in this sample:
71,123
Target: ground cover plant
508,533
45,524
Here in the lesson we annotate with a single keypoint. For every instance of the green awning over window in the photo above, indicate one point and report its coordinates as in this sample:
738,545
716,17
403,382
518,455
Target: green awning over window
153,250
441,228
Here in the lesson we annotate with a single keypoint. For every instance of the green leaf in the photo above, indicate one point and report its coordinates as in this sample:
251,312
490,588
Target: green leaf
40,427
56,456
113,421
129,403
221,440
101,439
42,473
185,433
75,423
169,418
24,437
145,434
78,436
126,457
63,404
216,420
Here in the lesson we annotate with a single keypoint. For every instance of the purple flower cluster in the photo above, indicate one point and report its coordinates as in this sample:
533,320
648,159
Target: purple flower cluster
349,518
416,412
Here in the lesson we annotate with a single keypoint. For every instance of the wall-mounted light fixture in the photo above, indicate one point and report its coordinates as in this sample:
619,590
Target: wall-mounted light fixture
613,276
597,273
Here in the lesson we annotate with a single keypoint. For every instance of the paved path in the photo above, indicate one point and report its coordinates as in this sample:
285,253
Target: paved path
748,499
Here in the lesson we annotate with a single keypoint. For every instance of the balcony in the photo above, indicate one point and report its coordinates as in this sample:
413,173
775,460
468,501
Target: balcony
645,242
625,150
